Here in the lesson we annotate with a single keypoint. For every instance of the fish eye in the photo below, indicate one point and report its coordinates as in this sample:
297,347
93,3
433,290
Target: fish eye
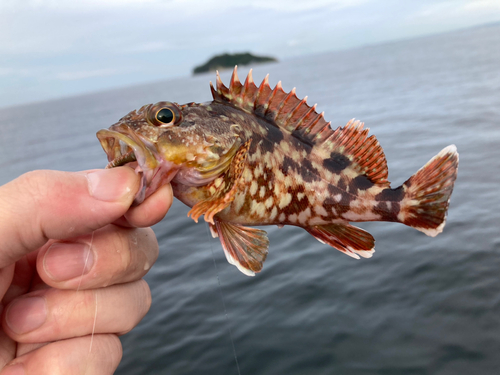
165,115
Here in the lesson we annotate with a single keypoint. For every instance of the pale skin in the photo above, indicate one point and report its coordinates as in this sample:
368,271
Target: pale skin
50,284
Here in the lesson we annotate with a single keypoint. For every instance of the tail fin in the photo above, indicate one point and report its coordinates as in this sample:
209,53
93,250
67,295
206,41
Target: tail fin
427,193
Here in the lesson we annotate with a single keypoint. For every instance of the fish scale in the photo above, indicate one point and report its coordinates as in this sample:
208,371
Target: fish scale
258,155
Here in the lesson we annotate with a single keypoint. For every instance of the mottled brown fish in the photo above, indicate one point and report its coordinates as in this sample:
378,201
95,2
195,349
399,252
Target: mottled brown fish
261,156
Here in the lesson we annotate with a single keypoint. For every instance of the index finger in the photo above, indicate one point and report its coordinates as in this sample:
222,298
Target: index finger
151,211
44,205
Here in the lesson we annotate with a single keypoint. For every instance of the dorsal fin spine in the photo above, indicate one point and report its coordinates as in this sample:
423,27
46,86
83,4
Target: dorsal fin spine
249,79
248,93
234,78
268,112
262,88
235,84
311,110
215,94
286,109
294,116
222,90
313,123
323,131
218,81
289,97
295,110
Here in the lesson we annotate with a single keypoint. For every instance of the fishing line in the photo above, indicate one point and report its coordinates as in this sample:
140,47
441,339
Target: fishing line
86,261
95,313
223,303
93,326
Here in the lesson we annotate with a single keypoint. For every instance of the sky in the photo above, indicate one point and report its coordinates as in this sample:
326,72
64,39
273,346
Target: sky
56,48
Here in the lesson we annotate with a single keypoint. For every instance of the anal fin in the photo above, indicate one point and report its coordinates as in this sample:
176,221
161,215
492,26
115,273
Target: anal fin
349,239
244,247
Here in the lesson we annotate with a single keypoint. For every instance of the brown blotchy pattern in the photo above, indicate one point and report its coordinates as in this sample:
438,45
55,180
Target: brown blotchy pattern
287,182
291,175
258,156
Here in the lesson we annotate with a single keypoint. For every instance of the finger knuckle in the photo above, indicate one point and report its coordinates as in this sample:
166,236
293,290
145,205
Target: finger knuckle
108,353
147,299
143,300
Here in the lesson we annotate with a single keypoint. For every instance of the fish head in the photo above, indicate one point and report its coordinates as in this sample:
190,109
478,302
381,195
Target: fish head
166,141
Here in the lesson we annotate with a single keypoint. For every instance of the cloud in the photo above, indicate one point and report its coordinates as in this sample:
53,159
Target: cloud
188,6
297,5
6,71
65,5
94,44
83,74
482,5
152,46
464,8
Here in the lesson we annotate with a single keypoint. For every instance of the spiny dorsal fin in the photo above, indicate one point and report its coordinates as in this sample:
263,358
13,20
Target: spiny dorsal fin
283,109
294,115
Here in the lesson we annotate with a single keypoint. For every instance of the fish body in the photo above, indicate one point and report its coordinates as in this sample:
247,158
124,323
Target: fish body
261,156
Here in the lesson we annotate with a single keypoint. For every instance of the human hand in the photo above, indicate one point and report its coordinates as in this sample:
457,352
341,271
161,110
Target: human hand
63,305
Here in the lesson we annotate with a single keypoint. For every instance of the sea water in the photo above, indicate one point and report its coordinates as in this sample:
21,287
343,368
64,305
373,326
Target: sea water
421,305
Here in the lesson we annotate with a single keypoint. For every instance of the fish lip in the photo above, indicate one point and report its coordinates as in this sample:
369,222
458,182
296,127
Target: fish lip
123,146
125,137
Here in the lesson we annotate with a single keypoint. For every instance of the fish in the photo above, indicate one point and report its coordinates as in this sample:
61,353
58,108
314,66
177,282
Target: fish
257,156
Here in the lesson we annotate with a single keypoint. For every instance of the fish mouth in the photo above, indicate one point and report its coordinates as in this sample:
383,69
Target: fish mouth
124,147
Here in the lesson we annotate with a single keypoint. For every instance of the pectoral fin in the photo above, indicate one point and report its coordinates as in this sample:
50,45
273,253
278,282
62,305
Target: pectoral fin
351,240
223,188
245,247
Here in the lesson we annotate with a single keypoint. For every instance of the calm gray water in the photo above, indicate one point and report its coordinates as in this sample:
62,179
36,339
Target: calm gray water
420,306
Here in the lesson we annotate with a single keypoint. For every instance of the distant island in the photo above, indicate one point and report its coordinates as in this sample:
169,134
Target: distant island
227,60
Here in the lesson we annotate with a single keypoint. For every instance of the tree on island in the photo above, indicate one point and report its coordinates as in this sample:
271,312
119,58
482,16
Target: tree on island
227,60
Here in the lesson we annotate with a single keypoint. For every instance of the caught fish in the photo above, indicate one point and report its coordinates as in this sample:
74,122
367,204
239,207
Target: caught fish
260,156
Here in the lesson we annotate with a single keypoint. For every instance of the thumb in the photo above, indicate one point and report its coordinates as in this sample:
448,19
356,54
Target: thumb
44,205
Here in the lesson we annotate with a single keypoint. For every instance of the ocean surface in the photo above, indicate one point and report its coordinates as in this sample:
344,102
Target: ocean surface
421,305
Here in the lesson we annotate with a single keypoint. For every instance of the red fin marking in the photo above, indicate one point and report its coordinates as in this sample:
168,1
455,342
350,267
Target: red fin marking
296,113
305,117
288,112
427,193
235,85
249,93
222,90
261,100
215,94
275,102
244,247
249,80
275,105
311,124
287,106
351,240
317,122
366,153
324,132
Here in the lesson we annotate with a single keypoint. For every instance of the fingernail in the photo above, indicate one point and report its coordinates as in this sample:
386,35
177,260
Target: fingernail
65,261
111,185
26,314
